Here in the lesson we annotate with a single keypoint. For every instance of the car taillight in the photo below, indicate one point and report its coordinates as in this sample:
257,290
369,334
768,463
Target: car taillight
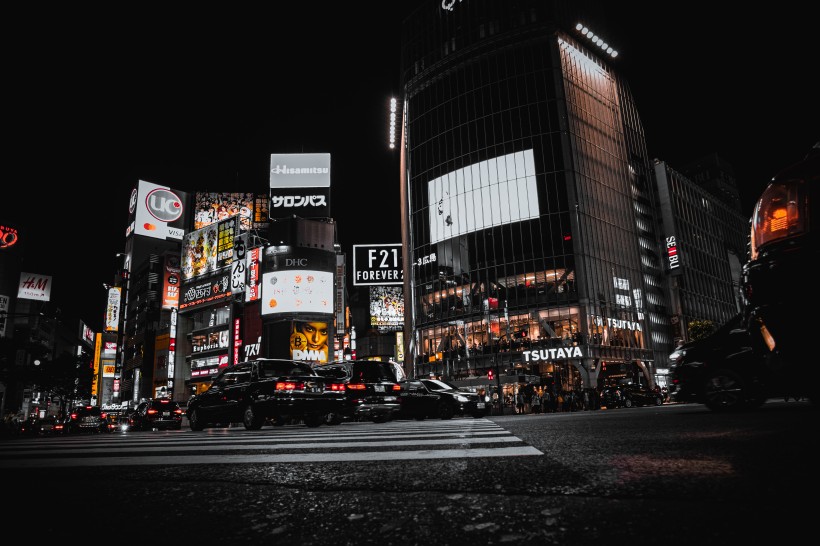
178,411
396,387
356,386
780,213
151,411
73,416
290,386
337,386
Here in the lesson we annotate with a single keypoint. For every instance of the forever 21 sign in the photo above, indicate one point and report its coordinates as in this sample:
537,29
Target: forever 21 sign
377,265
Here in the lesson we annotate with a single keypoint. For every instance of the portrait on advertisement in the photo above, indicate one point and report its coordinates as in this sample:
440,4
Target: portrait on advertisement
309,341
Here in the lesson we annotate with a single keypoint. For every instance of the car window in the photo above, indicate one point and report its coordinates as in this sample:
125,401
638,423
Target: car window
276,368
438,385
369,372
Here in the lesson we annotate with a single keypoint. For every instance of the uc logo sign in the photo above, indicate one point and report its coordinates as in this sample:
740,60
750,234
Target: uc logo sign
164,205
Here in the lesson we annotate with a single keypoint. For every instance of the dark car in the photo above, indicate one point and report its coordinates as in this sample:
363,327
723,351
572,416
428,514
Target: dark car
422,398
158,413
86,419
371,389
254,392
51,426
779,279
722,371
636,394
612,396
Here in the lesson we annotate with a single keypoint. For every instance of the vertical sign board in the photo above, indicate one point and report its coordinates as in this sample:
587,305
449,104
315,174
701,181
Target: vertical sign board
4,309
97,355
378,265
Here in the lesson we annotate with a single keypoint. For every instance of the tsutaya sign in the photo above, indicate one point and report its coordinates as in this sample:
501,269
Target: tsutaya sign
554,353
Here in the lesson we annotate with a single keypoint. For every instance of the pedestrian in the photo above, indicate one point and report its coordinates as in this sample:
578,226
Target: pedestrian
535,403
519,402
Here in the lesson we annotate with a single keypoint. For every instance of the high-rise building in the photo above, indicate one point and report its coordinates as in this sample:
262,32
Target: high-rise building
531,219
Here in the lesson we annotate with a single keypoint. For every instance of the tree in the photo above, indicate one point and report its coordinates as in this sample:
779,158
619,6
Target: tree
699,329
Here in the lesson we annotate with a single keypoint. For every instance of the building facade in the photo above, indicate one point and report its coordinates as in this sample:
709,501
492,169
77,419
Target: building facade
530,206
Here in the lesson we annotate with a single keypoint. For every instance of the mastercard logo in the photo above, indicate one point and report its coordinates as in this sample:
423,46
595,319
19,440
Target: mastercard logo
149,227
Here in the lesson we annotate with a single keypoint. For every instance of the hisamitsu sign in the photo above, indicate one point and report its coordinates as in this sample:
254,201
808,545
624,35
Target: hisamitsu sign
377,265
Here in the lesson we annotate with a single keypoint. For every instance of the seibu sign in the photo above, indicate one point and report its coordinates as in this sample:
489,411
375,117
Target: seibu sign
377,265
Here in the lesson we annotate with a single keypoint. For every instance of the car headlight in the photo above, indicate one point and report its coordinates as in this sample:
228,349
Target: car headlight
461,398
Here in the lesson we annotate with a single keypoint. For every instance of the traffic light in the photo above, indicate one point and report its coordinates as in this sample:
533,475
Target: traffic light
490,375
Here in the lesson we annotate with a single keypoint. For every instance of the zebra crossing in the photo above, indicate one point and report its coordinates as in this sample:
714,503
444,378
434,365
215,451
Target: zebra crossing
360,441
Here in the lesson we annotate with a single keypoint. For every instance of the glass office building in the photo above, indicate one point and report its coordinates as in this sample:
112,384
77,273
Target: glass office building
530,211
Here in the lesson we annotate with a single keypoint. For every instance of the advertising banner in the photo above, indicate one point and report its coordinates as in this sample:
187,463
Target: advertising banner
387,308
298,281
253,287
378,265
304,202
309,341
300,170
86,334
171,282
494,192
208,250
206,291
239,267
211,207
97,355
159,212
34,287
112,309
4,309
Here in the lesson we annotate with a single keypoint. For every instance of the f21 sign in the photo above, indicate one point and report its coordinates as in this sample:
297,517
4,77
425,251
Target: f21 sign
378,265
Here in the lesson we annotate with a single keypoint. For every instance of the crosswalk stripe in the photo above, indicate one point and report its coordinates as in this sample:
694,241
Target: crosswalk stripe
384,441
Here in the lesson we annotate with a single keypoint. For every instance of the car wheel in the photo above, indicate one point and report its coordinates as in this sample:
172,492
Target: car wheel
333,419
194,422
628,403
251,420
724,391
445,411
659,401
313,420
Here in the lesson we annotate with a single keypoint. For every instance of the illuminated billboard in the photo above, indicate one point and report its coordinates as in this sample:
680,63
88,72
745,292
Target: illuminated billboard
211,207
158,211
34,287
298,280
208,250
300,185
377,265
387,308
170,281
112,309
309,341
490,193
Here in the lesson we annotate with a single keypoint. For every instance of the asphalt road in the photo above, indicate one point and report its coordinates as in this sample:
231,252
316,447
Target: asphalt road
676,474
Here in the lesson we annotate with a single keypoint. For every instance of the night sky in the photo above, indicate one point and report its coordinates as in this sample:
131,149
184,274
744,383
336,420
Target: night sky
198,101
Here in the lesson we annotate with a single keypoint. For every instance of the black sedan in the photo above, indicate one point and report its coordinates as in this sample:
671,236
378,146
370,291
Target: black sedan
371,390
159,413
422,398
258,391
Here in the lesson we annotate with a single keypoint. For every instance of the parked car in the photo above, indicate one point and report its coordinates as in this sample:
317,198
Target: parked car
612,396
371,389
157,413
722,371
86,419
422,398
256,391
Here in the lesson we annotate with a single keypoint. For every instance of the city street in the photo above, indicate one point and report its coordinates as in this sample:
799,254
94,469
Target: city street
675,474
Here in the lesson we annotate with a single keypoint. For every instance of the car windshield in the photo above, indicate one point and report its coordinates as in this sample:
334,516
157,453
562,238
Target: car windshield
372,372
439,385
276,368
